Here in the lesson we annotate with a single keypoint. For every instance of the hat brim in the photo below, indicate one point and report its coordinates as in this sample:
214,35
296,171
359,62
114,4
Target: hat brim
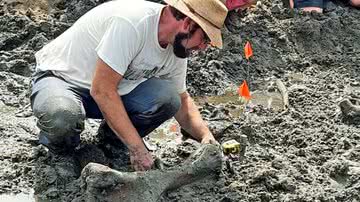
213,32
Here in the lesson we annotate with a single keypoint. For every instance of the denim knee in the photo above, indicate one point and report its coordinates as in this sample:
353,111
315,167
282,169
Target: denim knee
166,105
60,118
151,103
171,103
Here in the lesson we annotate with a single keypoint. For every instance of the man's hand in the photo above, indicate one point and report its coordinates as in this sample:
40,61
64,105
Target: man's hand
141,160
209,139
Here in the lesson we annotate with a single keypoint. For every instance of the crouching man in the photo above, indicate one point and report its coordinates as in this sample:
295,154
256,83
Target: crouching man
124,62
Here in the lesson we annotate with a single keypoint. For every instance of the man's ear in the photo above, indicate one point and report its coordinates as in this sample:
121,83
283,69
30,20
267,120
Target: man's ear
187,24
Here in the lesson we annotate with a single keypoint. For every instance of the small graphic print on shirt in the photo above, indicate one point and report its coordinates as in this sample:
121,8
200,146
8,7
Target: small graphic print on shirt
136,74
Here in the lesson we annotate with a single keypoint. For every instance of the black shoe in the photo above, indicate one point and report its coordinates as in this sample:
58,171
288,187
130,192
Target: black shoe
65,146
60,149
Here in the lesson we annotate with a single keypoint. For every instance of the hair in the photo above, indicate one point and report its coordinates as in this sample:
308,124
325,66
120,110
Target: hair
177,14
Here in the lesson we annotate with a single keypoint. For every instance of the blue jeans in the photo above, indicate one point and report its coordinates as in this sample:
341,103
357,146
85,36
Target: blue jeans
62,107
309,3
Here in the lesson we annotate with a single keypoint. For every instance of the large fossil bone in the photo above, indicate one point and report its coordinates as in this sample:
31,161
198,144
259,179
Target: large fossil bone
101,183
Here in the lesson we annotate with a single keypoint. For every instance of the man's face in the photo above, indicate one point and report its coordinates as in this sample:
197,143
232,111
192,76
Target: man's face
186,42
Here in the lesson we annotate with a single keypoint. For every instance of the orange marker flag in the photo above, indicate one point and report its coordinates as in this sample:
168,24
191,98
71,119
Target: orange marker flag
248,50
244,90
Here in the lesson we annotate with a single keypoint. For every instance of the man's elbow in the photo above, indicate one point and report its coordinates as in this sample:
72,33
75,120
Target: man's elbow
99,93
95,92
103,93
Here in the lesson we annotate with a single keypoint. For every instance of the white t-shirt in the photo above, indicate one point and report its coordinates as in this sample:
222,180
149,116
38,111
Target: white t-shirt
124,34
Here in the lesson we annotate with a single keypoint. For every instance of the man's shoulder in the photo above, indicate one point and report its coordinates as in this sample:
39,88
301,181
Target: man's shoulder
137,12
135,8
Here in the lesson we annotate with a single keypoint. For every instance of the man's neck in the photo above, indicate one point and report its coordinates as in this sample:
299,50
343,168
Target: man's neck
167,27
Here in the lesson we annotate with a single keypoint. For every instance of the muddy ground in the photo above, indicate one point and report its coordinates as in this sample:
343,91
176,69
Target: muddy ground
309,152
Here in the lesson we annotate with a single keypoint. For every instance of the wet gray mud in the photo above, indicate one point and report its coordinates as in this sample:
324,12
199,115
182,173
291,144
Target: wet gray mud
308,151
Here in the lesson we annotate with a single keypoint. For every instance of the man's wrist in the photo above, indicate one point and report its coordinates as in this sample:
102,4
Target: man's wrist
207,134
137,148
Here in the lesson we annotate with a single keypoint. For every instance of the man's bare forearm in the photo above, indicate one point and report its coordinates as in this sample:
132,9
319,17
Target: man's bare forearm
116,116
104,91
190,118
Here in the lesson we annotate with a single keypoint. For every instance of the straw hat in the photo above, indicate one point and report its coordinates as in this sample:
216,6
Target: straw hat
208,14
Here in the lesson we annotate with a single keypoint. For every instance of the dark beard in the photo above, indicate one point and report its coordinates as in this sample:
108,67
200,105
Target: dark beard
180,50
